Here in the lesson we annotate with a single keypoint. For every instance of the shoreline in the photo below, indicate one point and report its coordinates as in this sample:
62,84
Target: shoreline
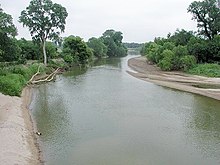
175,80
18,141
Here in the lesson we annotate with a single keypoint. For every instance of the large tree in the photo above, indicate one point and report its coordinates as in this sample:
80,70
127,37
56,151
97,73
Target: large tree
113,40
6,24
207,15
45,20
9,51
76,49
99,48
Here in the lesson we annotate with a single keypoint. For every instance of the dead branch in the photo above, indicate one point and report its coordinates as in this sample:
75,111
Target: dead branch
47,79
38,71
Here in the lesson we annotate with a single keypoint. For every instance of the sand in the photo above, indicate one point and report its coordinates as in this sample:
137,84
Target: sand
176,80
17,139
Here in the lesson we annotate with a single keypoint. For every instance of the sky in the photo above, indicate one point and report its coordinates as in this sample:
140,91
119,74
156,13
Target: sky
139,20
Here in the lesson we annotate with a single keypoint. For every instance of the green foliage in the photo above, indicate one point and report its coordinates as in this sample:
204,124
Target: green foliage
168,45
132,45
55,63
205,50
12,84
6,24
68,58
181,37
209,70
29,49
98,47
51,50
187,62
113,40
14,78
45,20
77,48
167,62
10,50
207,15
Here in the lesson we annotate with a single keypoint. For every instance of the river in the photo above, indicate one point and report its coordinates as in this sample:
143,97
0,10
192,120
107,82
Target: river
104,116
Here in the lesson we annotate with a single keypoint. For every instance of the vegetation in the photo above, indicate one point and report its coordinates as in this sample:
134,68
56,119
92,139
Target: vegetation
44,20
9,49
98,47
133,45
207,15
76,51
14,78
188,51
210,70
113,40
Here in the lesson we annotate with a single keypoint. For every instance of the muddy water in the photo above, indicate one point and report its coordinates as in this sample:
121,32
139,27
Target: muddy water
103,116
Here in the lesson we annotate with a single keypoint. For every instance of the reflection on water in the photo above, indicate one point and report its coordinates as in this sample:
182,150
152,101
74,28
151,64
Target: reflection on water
106,117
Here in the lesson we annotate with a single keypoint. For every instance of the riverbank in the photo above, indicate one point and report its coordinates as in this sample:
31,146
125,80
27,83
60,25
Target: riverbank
177,80
17,139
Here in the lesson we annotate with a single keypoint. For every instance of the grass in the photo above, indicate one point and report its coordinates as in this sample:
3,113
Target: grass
14,78
208,70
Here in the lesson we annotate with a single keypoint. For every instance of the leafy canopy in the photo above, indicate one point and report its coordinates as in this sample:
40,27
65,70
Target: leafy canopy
99,48
113,40
44,19
75,50
6,24
207,15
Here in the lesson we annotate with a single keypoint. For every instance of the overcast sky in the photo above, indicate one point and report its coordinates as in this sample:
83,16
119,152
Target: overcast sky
138,20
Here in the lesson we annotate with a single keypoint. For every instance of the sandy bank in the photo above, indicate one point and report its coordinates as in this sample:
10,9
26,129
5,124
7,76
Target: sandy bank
175,80
17,139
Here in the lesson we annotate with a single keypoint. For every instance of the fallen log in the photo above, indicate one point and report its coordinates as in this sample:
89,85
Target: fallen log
47,79
38,72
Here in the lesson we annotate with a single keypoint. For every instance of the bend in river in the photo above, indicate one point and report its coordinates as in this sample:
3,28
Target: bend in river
106,117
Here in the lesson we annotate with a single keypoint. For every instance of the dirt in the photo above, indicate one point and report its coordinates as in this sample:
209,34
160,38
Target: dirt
146,71
17,139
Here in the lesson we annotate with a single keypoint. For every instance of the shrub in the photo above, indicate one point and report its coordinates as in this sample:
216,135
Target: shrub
209,70
12,84
187,62
167,62
14,78
68,58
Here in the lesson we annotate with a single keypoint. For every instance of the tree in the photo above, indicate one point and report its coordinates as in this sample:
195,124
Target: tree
99,48
29,50
207,15
181,37
6,24
9,50
76,48
45,20
113,40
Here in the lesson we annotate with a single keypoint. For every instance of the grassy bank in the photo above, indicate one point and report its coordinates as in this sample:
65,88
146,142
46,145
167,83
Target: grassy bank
14,78
208,70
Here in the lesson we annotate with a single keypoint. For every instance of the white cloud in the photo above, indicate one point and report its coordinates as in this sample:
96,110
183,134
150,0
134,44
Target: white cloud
139,20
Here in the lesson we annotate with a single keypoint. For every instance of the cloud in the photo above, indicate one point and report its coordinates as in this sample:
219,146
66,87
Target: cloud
139,20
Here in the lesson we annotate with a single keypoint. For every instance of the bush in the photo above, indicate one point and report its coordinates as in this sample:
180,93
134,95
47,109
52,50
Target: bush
209,70
14,78
167,62
68,58
12,84
187,62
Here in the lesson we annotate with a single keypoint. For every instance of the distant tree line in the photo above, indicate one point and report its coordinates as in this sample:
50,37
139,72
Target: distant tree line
108,45
185,49
132,45
46,20
20,59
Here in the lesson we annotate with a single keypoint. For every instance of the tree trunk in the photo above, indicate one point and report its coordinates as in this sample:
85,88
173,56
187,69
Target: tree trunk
44,51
